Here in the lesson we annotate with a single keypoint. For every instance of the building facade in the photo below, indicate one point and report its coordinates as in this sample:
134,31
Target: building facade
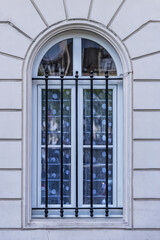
40,38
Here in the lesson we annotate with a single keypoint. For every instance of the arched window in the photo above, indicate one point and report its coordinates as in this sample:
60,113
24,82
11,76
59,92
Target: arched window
77,129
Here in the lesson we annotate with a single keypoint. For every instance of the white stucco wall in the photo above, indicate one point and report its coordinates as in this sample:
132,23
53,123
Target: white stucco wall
137,25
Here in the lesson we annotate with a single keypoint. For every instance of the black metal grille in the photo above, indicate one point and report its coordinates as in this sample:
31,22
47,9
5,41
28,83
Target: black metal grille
76,209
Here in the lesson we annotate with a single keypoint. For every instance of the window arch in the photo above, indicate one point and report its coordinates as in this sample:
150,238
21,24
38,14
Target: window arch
81,53
77,45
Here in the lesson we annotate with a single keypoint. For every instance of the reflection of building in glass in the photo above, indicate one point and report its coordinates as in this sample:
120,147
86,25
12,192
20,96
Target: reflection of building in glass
95,58
58,58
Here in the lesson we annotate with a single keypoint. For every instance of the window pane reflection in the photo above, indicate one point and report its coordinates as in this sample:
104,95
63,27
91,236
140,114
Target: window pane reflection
58,58
54,151
54,176
54,117
99,176
99,152
95,58
99,117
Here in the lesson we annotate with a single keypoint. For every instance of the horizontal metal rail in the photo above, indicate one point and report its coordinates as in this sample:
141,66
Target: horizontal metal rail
80,208
73,78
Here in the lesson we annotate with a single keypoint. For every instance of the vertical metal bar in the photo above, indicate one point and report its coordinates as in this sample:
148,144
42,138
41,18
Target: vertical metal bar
106,100
46,143
91,180
61,210
76,210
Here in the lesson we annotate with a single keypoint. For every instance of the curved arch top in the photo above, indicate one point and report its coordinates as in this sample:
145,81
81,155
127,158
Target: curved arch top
91,30
91,56
74,38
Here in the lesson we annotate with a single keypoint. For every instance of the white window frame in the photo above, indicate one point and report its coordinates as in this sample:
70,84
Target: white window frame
117,128
98,31
116,179
117,160
77,45
36,173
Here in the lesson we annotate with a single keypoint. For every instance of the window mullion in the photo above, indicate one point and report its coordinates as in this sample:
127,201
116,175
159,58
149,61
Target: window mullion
77,55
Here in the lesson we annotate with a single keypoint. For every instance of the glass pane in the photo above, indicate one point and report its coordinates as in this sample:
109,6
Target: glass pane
99,117
95,58
99,140
54,153
58,58
99,176
54,177
54,117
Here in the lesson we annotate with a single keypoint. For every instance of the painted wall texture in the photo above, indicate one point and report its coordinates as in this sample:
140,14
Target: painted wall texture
137,25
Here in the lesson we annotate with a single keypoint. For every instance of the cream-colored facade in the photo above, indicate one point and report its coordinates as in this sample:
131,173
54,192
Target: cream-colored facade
133,29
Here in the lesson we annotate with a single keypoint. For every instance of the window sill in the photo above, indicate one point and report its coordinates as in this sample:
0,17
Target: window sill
78,223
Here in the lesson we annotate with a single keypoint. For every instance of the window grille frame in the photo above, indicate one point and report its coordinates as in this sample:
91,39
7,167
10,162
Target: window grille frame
76,79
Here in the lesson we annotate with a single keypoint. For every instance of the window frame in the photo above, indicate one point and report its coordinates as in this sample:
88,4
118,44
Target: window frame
117,126
81,147
77,47
118,158
46,36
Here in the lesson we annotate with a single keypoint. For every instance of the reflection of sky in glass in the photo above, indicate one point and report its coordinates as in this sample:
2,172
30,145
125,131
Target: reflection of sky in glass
55,52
